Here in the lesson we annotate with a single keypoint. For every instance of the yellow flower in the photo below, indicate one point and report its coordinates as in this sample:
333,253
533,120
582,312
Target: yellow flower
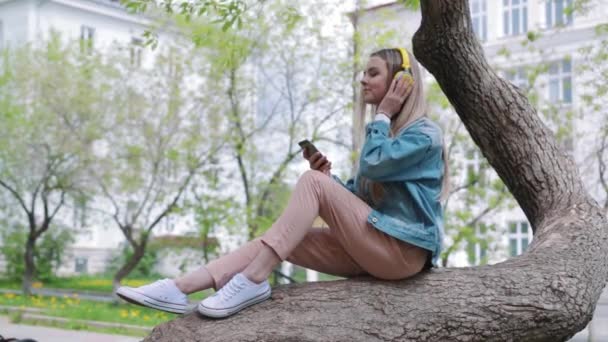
146,317
134,313
9,295
37,284
124,313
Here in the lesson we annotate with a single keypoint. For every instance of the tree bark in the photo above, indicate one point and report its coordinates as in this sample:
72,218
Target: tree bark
547,294
129,265
29,265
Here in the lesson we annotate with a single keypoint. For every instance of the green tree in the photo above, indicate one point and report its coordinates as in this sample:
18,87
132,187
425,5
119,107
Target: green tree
281,82
157,139
47,95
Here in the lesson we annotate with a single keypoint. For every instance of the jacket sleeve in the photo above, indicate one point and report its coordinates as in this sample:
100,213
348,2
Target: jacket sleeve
386,159
350,184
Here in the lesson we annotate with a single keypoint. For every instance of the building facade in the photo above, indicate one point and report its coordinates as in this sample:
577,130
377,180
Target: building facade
100,25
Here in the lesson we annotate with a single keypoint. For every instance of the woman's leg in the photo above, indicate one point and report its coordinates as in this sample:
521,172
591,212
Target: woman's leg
217,272
316,194
321,251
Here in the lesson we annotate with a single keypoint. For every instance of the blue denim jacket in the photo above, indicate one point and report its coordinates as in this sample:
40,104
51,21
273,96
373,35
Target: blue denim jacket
410,166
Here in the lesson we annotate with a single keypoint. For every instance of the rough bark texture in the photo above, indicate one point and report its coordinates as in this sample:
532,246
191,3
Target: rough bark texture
129,265
30,265
547,294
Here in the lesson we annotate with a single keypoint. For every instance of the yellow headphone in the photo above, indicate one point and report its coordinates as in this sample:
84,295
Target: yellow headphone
405,66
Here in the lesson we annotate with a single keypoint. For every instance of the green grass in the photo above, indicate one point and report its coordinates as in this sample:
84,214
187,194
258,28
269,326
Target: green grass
9,284
85,283
78,283
74,308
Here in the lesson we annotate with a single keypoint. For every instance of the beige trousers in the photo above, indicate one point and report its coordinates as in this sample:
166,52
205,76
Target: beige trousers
349,247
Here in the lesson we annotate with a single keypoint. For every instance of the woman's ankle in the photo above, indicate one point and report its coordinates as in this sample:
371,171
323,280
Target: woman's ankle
183,286
197,280
262,265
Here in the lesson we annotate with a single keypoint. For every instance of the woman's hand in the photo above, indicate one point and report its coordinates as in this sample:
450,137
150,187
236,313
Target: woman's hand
318,162
399,90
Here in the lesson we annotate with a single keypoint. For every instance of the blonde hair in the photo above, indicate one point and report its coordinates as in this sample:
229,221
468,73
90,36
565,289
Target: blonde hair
414,108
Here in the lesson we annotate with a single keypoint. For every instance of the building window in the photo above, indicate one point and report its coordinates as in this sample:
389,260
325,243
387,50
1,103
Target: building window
559,13
474,167
515,17
519,237
80,215
518,77
136,50
560,81
479,17
477,249
1,35
87,35
81,265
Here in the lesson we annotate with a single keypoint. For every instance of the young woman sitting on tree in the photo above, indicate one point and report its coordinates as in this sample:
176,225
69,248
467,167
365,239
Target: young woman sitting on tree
386,222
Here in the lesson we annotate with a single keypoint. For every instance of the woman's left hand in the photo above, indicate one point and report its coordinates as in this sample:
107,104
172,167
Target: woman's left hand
399,90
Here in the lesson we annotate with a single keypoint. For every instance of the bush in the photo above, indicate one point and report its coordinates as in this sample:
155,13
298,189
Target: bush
50,249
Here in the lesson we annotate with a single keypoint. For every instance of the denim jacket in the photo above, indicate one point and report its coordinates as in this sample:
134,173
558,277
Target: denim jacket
410,167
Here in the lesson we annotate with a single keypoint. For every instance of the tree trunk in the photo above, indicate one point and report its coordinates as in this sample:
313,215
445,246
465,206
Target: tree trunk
30,265
547,294
125,270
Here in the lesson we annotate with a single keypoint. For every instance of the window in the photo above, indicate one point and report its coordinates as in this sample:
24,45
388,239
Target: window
479,18
1,35
87,35
136,50
518,77
477,249
81,264
169,223
474,167
80,214
559,13
515,17
519,237
560,81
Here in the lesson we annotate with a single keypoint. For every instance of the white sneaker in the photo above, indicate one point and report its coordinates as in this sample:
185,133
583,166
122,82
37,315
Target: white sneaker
236,295
161,295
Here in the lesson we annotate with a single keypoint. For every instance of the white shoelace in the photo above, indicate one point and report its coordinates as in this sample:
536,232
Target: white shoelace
230,290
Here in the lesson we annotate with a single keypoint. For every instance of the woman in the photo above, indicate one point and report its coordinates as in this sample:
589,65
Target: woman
386,222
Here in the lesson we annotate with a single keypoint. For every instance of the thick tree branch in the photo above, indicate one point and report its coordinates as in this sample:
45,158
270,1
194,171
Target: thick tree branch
512,136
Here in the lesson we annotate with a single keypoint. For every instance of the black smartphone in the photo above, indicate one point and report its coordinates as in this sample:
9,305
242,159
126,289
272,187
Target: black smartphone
312,149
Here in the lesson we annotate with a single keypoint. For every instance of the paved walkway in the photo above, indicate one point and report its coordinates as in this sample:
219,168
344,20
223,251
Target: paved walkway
44,334
88,295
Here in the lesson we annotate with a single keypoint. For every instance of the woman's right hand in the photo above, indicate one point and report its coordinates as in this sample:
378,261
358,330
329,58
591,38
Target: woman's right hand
318,162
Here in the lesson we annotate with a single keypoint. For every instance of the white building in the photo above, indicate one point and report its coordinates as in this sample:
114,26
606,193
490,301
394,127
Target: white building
100,24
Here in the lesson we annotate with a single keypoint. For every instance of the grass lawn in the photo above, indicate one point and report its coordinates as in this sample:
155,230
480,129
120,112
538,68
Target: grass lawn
87,283
75,308
79,283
